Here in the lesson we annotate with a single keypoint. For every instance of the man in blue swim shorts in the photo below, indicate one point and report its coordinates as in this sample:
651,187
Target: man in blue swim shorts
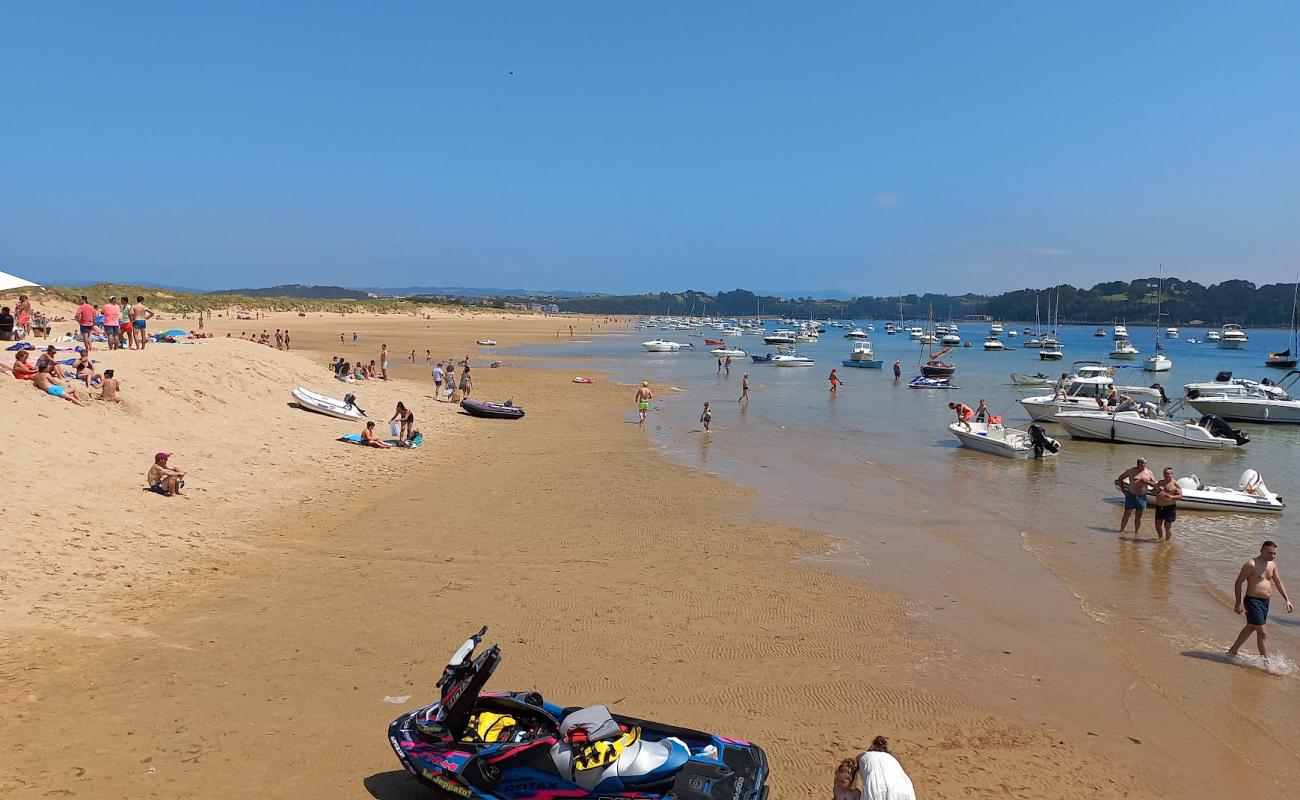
1135,482
1259,575
45,381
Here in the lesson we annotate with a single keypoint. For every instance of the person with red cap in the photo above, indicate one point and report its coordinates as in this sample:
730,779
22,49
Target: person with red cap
163,479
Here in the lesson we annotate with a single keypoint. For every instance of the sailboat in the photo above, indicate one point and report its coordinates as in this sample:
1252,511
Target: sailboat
1049,348
1287,358
935,366
1158,362
1034,341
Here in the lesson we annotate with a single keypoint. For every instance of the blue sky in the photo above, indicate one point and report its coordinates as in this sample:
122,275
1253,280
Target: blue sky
867,147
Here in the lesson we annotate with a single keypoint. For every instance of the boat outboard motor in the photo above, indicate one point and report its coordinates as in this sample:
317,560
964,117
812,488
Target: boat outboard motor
1219,427
1042,442
350,400
1164,398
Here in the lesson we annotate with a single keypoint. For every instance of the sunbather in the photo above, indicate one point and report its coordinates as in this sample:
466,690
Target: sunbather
23,369
368,436
163,479
109,387
46,382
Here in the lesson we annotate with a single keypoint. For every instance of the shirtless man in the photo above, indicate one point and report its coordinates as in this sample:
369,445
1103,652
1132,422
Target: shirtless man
163,479
744,389
371,439
1260,575
140,316
1166,498
643,398
23,314
46,382
1140,481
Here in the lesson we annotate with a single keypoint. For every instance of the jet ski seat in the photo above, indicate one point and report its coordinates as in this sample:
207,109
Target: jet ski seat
598,755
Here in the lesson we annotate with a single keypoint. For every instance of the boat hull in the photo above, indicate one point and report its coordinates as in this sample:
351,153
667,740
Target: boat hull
1230,344
323,404
1131,428
863,364
1249,409
994,439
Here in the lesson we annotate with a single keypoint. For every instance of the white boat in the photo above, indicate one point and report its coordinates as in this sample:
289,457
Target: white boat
950,340
1032,380
856,333
791,360
993,343
1082,393
727,352
915,333
329,406
1233,337
779,337
1032,341
1001,441
1121,332
1012,333
1124,350
1246,401
1158,363
1135,427
1250,496
1050,350
806,337
487,342
1171,332
995,329
1212,336
661,346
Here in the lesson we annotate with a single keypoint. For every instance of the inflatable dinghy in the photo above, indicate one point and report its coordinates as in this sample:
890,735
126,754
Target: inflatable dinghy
479,408
329,406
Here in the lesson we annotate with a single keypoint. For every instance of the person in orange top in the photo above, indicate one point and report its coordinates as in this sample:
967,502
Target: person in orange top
112,323
86,319
964,413
835,382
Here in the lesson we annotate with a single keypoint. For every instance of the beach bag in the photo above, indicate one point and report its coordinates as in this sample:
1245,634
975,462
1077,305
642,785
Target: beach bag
395,428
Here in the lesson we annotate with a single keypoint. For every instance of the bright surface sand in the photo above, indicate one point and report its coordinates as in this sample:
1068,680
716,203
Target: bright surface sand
240,642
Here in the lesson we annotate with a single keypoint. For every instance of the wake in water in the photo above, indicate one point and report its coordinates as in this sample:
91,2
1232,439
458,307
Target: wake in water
1279,664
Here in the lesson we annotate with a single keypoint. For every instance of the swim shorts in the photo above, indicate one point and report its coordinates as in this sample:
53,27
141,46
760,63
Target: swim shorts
1136,502
55,391
85,329
1256,610
1167,513
139,323
643,406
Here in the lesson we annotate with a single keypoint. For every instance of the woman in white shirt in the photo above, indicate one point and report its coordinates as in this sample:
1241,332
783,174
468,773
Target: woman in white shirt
883,777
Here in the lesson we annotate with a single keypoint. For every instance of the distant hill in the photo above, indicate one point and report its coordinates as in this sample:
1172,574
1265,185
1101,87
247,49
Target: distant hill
299,290
470,291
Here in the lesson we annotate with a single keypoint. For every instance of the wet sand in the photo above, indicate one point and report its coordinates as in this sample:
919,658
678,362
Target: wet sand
607,573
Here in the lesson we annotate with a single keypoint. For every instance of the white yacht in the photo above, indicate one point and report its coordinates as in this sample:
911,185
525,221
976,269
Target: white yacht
1171,332
915,333
1136,427
779,337
1012,333
995,329
951,339
1123,350
791,360
1050,350
1158,362
1233,337
993,343
1244,400
1121,332
856,333
661,346
1213,336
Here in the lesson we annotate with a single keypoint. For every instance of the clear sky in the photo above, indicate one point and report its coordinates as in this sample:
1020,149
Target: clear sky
873,147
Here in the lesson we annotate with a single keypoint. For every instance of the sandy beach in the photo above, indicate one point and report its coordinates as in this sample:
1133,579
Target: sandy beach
242,641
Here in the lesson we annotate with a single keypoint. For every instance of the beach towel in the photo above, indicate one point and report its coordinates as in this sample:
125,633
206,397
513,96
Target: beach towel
355,438
21,346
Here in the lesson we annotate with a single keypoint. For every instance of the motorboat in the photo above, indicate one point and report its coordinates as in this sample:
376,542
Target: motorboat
856,333
716,342
1050,350
1171,332
1082,394
791,360
950,340
779,337
915,332
487,342
1095,369
1012,333
1212,336
1100,333
1251,495
862,356
1124,350
1192,340
329,406
1032,341
1233,337
1028,331
922,382
1121,332
1246,401
727,352
1147,427
995,329
990,437
993,343
661,346
1032,380
482,408
763,359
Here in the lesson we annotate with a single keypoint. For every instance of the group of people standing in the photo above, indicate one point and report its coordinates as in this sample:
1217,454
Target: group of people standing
124,325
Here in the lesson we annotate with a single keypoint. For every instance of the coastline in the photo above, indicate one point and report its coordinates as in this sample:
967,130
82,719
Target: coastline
512,525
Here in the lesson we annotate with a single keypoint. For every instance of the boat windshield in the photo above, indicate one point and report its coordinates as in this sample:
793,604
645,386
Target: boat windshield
1087,390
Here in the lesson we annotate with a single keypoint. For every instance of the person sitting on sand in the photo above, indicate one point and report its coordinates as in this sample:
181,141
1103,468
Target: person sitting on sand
23,369
407,420
368,436
883,777
86,371
845,774
163,479
49,356
359,372
109,387
46,382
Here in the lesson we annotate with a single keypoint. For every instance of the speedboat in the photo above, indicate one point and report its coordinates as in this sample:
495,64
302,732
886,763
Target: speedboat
1123,350
1250,496
1100,333
516,745
950,340
995,329
487,342
1032,380
1082,394
779,337
1233,337
993,343
329,406
922,382
1213,336
761,359
1012,333
1050,350
1007,442
1121,332
791,360
727,352
1171,332
862,356
1246,401
1150,428
661,346
856,333
1192,340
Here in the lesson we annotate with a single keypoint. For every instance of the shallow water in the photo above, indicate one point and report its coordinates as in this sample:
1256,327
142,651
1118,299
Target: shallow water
877,459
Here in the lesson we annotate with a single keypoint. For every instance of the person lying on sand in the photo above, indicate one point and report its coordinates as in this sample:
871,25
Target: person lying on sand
46,382
163,479
368,436
109,387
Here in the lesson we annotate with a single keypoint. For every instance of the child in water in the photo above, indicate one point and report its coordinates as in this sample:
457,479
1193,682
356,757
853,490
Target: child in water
706,417
845,774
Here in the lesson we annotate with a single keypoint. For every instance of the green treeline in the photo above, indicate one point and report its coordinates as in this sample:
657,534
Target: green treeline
1135,302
